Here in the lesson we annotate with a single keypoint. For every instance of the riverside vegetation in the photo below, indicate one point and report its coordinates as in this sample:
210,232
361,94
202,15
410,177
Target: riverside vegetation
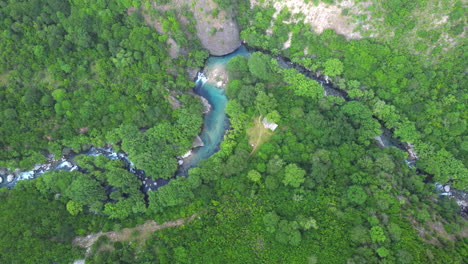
316,190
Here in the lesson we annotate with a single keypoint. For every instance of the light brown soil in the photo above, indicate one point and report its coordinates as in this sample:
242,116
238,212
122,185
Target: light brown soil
144,231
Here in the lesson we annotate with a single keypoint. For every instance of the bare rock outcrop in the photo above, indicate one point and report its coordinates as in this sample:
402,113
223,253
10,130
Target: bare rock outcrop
219,34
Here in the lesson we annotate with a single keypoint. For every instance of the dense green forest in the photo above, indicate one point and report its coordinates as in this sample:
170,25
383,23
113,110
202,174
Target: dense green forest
318,189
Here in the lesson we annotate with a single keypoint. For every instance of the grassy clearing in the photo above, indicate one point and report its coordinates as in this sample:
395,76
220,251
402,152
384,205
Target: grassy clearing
258,134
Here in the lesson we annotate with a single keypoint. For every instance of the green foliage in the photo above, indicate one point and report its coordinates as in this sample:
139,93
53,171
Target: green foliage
383,252
261,66
270,220
377,234
69,67
293,175
254,176
333,67
301,85
356,195
74,207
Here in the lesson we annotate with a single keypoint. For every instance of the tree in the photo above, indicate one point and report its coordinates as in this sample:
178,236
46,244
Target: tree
254,176
360,235
383,252
260,66
293,176
275,164
307,223
356,195
86,190
287,233
377,234
74,207
265,103
301,85
270,220
333,67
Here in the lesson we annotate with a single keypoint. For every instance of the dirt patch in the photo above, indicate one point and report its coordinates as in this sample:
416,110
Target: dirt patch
137,233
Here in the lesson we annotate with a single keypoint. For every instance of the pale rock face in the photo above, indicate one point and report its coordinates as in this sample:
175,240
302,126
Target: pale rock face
10,178
380,141
198,142
187,154
220,34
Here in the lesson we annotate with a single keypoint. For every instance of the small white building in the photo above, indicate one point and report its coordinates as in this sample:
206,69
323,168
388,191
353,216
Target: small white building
272,126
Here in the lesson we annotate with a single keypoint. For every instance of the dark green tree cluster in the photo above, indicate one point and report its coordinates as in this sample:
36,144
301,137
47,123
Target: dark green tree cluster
72,72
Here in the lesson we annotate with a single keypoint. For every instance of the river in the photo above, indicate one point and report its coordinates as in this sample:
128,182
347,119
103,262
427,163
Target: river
214,128
216,123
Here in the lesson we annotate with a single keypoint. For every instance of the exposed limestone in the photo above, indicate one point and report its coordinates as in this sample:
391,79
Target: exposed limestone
287,44
380,141
192,73
412,153
219,35
320,17
206,105
173,102
188,154
197,142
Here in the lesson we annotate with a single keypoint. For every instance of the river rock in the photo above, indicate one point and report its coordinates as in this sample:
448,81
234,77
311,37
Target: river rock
447,188
410,149
1,179
192,73
186,155
10,178
198,142
206,105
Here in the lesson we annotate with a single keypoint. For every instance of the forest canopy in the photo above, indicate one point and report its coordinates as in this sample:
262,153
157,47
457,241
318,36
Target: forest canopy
316,189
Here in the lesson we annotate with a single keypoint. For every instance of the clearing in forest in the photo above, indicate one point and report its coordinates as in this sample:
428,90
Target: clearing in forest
139,233
258,134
